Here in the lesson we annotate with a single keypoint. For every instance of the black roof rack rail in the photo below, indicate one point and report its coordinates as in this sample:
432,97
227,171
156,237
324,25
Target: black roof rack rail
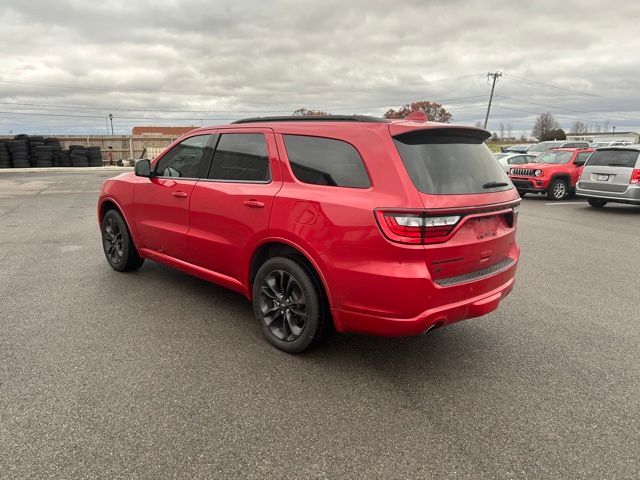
315,118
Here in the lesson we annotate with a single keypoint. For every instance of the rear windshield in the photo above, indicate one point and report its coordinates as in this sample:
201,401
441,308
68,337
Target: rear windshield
450,163
613,158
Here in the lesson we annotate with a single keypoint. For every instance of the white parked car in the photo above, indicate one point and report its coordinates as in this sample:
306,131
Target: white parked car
507,160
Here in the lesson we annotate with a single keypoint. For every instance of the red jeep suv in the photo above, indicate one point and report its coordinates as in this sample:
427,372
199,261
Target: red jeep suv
554,172
352,223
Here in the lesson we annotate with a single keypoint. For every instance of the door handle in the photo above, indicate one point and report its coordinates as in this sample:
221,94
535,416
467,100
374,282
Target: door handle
179,194
254,203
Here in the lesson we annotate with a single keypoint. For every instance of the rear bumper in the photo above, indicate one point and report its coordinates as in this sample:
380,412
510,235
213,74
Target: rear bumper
630,195
358,322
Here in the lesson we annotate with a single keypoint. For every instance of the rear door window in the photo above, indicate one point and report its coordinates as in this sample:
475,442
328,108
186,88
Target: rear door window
450,162
613,158
326,161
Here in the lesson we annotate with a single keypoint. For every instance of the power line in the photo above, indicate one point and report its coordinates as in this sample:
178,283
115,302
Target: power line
228,93
85,107
569,109
548,85
161,118
538,113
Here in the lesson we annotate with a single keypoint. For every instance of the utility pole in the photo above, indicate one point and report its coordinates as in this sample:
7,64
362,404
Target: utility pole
111,120
495,77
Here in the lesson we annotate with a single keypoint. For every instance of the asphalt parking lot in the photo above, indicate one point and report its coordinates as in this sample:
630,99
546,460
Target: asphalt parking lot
156,374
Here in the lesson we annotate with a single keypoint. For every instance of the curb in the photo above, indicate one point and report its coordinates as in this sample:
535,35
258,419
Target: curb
65,169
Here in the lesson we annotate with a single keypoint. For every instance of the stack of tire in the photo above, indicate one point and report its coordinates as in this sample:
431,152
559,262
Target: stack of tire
42,156
5,156
65,158
19,149
54,143
95,156
78,156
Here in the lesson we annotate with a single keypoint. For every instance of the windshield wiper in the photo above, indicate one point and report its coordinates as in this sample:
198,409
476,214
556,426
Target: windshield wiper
495,184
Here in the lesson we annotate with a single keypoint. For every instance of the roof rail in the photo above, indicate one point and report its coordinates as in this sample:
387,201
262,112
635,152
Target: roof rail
315,118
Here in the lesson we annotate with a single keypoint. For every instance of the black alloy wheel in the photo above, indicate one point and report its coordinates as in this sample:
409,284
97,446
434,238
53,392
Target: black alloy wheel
288,303
112,239
283,305
118,246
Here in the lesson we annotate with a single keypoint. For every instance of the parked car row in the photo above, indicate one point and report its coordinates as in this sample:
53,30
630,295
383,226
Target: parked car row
602,175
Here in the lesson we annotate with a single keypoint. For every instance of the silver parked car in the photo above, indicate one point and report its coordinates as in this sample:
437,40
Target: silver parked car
540,148
611,174
507,160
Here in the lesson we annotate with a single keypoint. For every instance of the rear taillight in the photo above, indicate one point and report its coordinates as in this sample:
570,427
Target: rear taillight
415,227
635,176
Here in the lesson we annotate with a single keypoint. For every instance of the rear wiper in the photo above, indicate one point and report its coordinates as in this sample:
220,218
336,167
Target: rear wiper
495,184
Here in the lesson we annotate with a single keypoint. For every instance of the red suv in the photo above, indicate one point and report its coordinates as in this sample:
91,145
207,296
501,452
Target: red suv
349,222
554,172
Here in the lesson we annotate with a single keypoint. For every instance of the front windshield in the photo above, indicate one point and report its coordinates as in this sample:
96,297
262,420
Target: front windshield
554,157
543,147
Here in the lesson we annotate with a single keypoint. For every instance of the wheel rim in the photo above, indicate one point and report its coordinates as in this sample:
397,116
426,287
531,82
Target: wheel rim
283,305
559,190
113,240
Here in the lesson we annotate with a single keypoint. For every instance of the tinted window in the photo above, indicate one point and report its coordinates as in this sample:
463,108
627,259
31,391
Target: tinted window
188,159
325,161
613,158
582,157
450,163
241,157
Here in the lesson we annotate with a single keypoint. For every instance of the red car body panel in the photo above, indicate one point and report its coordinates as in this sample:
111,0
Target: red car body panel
373,285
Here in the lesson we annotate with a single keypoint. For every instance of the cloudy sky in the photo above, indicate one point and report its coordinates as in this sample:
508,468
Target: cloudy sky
65,65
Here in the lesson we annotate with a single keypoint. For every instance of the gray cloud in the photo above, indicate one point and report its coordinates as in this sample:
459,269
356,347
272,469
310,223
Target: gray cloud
275,56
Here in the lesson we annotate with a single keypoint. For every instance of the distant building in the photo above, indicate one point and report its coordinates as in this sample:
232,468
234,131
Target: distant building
631,137
161,131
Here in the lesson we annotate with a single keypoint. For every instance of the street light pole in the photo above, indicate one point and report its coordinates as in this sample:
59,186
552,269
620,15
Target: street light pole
111,120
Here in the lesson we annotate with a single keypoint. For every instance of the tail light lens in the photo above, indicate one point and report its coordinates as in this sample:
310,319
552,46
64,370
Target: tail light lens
635,176
415,228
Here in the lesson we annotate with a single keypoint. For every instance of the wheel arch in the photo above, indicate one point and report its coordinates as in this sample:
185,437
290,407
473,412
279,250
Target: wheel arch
108,203
561,176
270,247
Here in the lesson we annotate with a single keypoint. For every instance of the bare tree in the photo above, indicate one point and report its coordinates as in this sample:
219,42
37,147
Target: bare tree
606,125
545,123
509,128
579,127
478,124
598,128
501,131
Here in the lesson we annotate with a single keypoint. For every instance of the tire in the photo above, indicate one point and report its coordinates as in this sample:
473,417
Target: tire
521,193
558,190
274,292
596,202
117,244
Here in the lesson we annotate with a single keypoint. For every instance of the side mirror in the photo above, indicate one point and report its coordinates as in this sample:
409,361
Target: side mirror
579,163
142,168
